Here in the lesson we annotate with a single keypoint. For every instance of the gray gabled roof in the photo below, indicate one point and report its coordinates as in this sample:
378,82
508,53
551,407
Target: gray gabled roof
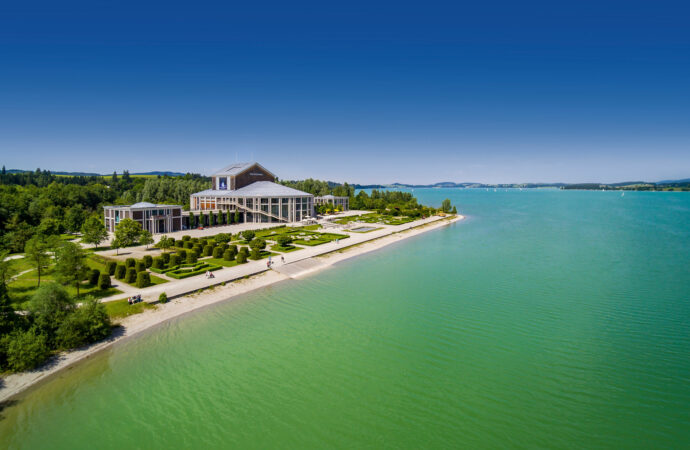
256,189
238,168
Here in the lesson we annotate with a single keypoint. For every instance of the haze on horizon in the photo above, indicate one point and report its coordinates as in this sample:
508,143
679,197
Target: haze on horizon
367,93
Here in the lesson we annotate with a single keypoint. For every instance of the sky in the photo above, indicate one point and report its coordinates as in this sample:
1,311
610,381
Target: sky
370,92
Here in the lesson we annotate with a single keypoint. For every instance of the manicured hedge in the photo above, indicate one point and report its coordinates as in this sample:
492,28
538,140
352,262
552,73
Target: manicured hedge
157,263
197,269
130,262
166,257
131,275
143,279
148,261
174,260
93,277
110,266
104,281
120,271
140,266
218,252
207,250
182,254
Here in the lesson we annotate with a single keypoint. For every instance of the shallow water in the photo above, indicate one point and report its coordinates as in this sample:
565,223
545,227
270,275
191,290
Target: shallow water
546,319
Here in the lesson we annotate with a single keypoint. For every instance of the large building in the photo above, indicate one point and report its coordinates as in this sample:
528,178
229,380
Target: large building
343,203
250,190
153,218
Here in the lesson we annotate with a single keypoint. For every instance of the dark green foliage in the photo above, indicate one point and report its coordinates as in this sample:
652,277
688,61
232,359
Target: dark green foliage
208,250
103,281
110,266
120,271
218,252
163,298
248,235
233,247
25,350
179,243
130,262
237,217
174,260
143,279
148,261
258,243
131,275
88,323
229,254
241,258
223,237
186,237
188,244
256,253
191,258
166,257
284,240
94,275
140,266
182,254
158,263
48,308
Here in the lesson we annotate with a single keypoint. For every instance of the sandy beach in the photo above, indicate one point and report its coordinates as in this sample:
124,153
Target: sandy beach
15,384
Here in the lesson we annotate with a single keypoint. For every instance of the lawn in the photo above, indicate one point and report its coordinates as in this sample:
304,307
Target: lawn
287,249
221,262
121,308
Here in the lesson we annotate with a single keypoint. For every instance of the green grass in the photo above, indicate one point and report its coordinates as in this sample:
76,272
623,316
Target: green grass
24,287
119,309
289,248
156,280
221,262
20,264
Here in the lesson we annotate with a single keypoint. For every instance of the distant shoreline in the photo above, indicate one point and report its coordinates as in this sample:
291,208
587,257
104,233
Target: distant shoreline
15,384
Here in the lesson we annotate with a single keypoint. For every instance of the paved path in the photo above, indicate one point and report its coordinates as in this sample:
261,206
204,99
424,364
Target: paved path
181,287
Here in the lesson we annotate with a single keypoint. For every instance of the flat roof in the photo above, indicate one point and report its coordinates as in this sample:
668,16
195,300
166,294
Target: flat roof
256,189
141,205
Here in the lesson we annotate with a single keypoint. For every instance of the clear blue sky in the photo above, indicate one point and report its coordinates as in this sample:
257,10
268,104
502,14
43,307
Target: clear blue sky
365,92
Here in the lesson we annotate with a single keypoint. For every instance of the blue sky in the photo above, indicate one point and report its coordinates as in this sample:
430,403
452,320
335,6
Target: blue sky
363,92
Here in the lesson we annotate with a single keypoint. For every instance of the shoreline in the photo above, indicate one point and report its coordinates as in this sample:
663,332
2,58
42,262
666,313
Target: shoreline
13,385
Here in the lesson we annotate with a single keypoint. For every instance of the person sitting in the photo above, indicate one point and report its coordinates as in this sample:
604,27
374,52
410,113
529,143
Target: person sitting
129,300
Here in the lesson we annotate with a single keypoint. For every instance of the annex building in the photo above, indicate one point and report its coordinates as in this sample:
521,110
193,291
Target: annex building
250,190
153,218
343,203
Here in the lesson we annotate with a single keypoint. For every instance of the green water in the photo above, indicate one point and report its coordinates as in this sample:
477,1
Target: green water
547,319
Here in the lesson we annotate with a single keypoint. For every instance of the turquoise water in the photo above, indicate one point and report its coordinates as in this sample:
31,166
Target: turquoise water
547,319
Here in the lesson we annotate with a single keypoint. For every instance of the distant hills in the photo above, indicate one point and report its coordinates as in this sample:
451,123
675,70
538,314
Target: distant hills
93,174
683,184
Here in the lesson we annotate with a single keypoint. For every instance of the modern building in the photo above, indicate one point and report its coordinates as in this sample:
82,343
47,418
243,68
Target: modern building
342,202
153,218
250,191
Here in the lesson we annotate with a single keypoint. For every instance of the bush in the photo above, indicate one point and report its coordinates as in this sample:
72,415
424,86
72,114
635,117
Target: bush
248,235
284,240
188,244
104,281
110,267
120,271
179,243
233,247
197,249
163,298
223,237
140,266
190,270
143,279
94,274
158,263
191,258
241,258
130,262
148,261
26,350
218,252
186,237
208,250
174,260
256,253
182,254
166,257
131,275
85,325
203,242
229,255
258,243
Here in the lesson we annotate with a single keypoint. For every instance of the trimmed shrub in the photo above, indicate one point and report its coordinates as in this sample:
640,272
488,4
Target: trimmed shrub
197,249
233,247
229,255
158,263
190,270
241,258
218,252
188,244
110,266
256,253
120,271
166,257
258,243
179,243
143,279
148,261
191,258
163,298
186,237
283,240
131,275
93,277
130,262
203,242
103,281
248,235
208,250
140,266
182,254
174,260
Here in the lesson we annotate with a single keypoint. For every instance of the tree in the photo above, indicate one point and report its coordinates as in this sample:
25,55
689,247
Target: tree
445,206
248,235
165,243
114,177
74,218
36,252
49,227
7,270
48,307
455,210
127,232
71,265
237,217
192,221
145,238
258,243
283,240
26,350
116,244
223,238
229,218
93,231
88,323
